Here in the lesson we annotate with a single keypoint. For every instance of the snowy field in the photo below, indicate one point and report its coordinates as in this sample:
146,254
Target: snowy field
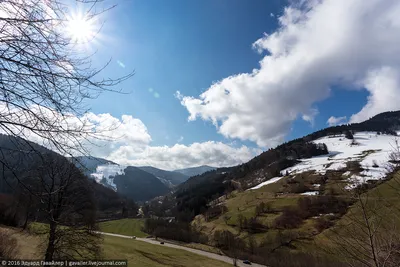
371,148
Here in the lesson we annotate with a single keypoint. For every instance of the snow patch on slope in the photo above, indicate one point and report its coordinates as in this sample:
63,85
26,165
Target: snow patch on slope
166,182
270,181
108,171
371,148
310,193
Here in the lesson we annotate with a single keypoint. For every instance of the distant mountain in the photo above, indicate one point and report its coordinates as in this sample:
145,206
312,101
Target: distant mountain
195,170
139,185
130,182
89,164
169,178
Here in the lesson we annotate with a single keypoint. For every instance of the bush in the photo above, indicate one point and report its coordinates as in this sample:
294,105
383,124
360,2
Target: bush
8,245
292,217
289,219
263,208
354,166
322,223
348,134
298,188
215,211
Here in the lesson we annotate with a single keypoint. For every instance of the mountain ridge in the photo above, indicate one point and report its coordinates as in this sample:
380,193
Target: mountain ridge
193,171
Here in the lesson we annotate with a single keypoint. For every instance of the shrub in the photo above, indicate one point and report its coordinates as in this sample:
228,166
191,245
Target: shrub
289,219
322,223
354,166
298,188
215,211
263,208
348,135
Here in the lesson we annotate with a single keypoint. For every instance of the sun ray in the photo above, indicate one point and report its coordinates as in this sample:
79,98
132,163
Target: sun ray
81,28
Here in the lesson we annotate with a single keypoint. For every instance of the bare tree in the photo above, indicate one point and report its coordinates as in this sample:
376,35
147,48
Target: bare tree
44,77
230,244
368,234
67,205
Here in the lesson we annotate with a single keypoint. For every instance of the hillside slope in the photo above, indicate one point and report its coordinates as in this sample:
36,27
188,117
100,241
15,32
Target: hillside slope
139,185
169,178
131,182
89,164
21,158
195,193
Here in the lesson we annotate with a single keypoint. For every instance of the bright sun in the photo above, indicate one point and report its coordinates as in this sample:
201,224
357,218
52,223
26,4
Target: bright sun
80,28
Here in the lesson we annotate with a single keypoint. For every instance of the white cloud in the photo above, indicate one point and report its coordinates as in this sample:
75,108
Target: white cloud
310,116
272,15
99,134
353,43
130,144
125,140
332,121
384,87
181,156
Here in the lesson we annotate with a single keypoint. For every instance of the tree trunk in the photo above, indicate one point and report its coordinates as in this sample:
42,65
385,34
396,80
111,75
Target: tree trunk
52,238
27,213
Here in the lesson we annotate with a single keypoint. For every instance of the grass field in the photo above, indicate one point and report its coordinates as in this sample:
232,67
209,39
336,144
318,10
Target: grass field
138,253
131,227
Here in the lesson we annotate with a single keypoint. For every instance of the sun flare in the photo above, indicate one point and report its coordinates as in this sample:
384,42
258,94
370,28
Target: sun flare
80,28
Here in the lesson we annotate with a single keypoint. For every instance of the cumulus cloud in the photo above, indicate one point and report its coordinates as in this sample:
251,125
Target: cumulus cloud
384,87
332,121
310,116
318,44
181,156
125,140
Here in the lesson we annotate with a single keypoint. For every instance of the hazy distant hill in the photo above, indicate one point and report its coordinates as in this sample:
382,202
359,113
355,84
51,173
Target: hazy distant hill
169,178
195,170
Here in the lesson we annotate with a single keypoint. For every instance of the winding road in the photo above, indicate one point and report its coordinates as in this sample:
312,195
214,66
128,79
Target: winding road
197,251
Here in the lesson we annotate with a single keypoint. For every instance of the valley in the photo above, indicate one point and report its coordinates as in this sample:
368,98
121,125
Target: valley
200,133
309,201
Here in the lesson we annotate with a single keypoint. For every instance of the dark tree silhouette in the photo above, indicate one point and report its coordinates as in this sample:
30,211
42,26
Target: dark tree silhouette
67,206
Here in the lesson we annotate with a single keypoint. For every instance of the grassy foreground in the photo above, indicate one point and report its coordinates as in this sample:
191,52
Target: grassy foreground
130,227
138,253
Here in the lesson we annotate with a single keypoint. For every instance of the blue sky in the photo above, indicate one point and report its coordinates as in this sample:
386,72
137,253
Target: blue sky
179,45
186,46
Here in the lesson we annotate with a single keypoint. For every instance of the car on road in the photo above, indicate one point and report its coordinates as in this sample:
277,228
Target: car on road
162,243
133,237
247,262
